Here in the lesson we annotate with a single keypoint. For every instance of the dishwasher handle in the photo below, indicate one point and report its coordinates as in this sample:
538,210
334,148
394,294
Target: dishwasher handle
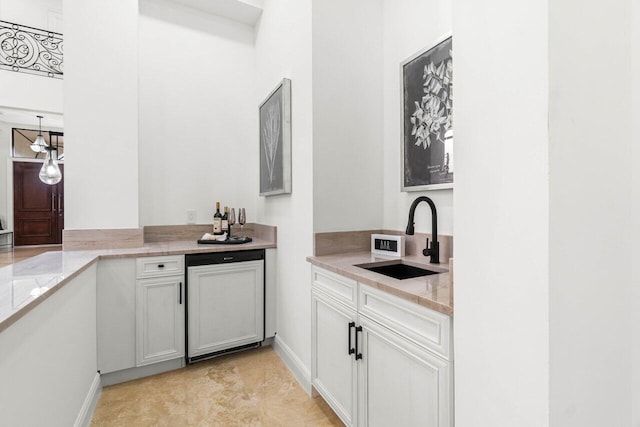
224,257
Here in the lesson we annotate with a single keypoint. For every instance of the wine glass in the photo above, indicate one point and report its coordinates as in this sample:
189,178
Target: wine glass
242,218
232,219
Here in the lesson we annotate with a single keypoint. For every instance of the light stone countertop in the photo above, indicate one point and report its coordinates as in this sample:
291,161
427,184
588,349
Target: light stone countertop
434,291
26,284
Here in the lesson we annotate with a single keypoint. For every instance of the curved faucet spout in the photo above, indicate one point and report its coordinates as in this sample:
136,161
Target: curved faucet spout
434,250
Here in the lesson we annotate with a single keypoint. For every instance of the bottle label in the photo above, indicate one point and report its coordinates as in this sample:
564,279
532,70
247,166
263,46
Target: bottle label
225,225
217,225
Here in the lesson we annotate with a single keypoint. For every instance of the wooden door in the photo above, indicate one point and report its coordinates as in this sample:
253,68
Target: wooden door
38,214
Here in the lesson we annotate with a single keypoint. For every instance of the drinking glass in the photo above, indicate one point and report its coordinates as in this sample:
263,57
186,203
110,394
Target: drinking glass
232,219
242,218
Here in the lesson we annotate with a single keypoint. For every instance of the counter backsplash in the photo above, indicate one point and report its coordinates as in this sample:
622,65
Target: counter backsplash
136,237
171,233
360,241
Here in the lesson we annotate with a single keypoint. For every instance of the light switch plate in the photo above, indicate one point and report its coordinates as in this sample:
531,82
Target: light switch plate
191,216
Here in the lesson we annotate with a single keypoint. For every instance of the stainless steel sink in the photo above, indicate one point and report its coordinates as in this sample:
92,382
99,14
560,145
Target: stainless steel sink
398,269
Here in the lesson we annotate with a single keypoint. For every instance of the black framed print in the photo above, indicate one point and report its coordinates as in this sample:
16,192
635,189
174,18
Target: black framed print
427,128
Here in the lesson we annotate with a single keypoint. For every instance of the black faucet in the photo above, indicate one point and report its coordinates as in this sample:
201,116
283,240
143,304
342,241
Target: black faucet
434,250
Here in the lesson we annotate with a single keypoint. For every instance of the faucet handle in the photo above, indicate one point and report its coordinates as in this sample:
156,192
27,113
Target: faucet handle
426,251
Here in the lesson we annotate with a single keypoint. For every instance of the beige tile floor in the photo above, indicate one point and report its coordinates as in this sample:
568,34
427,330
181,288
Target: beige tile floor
251,388
10,256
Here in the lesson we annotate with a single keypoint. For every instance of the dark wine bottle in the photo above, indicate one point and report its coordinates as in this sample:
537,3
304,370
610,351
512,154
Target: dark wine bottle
225,221
217,221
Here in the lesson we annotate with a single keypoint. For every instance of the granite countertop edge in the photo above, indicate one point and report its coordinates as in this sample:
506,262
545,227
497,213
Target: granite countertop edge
83,259
344,264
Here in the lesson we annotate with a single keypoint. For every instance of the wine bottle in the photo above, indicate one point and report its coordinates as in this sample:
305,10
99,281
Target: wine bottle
225,221
217,221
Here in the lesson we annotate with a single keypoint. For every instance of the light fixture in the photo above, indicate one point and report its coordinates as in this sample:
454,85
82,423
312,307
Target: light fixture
50,172
39,145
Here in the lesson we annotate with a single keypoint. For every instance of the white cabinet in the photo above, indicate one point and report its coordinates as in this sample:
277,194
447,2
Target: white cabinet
159,311
226,306
334,372
385,363
399,382
116,314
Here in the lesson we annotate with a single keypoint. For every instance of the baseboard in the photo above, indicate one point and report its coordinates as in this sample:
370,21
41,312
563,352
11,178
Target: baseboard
89,404
143,371
293,362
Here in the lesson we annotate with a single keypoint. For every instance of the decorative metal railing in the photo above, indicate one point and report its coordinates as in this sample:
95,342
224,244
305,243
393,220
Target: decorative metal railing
30,50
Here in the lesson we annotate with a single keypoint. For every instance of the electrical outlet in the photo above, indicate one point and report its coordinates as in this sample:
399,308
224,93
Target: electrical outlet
191,216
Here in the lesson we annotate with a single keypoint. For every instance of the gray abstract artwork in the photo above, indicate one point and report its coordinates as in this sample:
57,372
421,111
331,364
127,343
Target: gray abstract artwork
275,143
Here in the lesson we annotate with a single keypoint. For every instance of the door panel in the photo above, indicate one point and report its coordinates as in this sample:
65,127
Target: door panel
333,370
38,219
401,383
226,306
159,320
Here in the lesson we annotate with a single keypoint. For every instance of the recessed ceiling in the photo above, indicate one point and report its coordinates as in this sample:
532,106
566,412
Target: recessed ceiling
28,118
244,11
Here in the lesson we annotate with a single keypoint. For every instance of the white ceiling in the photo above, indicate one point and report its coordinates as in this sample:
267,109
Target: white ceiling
244,11
28,118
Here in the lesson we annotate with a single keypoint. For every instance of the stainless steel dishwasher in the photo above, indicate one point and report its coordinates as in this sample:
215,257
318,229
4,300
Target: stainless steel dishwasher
225,302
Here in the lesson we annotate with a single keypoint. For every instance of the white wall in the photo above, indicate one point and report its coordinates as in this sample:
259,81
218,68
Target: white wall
27,91
283,49
347,115
198,114
49,358
24,90
101,114
501,213
635,212
590,213
42,14
408,27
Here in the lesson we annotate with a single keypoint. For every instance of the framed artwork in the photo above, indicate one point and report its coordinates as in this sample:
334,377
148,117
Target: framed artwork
275,141
427,131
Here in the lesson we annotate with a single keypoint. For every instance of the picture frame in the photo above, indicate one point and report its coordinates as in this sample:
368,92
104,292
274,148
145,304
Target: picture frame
426,82
275,141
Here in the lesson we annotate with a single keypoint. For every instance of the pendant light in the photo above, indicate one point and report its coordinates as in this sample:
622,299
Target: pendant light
39,145
50,172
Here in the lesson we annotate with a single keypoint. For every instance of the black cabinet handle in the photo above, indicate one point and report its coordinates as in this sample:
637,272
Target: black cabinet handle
160,265
351,349
180,293
358,354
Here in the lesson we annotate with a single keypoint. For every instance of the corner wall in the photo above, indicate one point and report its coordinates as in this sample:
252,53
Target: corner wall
101,114
635,212
198,115
408,27
590,224
501,213
283,49
347,115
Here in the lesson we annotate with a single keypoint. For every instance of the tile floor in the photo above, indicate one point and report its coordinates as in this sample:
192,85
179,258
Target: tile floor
251,388
10,256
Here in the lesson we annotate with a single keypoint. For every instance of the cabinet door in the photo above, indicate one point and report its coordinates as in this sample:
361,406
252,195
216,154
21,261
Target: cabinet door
400,383
159,319
226,306
333,369
116,314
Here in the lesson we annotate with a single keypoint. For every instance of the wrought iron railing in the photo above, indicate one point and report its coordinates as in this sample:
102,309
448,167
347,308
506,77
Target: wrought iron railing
30,50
